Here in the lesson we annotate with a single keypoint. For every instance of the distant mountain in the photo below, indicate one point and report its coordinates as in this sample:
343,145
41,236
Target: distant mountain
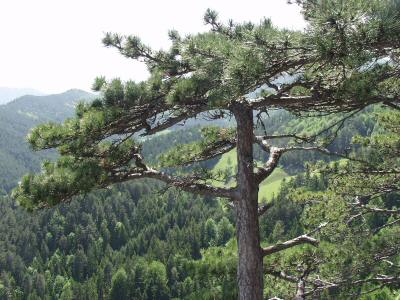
55,107
8,94
17,118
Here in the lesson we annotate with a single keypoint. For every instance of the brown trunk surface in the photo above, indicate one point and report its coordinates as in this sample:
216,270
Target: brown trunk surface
250,268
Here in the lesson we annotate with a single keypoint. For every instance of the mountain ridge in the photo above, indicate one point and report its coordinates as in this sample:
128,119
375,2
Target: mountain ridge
17,118
8,94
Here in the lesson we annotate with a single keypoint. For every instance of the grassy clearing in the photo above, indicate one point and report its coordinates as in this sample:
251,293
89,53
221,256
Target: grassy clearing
268,187
226,162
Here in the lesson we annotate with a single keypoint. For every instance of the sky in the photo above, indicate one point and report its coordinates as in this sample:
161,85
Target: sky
55,45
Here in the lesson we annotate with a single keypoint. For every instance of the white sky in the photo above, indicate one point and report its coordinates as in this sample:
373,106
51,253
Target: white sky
55,45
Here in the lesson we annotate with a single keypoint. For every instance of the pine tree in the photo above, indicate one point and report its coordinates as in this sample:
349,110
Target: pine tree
347,59
210,232
119,285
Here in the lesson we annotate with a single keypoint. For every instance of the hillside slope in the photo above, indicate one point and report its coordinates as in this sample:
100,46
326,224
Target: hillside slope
8,94
16,119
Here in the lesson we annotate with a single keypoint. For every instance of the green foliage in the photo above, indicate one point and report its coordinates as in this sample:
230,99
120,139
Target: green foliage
114,93
188,88
72,245
119,285
213,139
98,83
67,293
210,232
341,28
225,231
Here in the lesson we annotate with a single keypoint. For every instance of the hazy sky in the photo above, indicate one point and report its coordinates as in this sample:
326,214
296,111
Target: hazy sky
55,45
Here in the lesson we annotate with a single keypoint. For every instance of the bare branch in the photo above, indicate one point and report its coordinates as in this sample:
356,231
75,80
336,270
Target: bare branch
282,101
312,103
302,239
282,275
281,136
392,105
275,154
301,290
264,208
262,173
381,279
211,151
184,114
376,230
187,184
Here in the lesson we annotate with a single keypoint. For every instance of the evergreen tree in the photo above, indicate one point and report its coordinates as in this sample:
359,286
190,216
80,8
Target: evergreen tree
67,293
210,232
346,60
119,285
225,231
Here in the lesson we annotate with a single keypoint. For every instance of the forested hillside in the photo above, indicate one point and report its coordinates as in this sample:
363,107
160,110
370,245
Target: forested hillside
140,241
8,94
17,118
87,242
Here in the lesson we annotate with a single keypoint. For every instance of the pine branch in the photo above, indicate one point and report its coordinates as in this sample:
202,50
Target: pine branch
187,184
264,208
302,239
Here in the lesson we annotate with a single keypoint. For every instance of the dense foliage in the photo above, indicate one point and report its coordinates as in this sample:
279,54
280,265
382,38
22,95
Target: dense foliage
130,233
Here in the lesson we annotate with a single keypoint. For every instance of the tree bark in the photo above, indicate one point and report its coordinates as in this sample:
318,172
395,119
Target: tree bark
250,267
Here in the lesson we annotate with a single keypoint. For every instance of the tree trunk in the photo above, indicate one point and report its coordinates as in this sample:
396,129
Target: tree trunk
250,268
